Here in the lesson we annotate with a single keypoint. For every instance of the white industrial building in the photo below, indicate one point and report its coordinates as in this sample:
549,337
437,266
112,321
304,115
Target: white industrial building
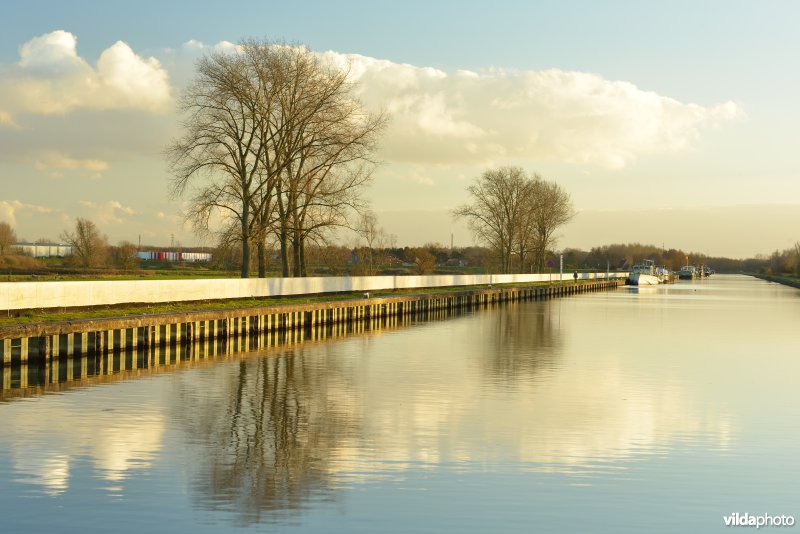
45,250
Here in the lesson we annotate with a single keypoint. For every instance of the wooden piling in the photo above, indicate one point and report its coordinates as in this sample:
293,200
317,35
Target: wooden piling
293,321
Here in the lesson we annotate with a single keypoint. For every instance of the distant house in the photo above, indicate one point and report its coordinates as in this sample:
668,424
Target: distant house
45,250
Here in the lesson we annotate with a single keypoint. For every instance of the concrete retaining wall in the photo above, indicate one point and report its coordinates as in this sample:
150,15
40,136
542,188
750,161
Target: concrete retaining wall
42,295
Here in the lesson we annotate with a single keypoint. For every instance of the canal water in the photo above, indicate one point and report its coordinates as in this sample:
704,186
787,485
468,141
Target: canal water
661,409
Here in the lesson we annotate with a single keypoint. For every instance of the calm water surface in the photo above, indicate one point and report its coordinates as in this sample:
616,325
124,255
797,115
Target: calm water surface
652,410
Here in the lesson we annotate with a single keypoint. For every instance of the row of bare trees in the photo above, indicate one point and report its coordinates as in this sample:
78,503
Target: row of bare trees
516,215
275,150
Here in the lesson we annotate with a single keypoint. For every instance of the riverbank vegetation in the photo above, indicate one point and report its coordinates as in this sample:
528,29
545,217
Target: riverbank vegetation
374,253
382,258
622,256
784,266
785,263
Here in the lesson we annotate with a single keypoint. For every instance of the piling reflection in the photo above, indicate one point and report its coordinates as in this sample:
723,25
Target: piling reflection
61,373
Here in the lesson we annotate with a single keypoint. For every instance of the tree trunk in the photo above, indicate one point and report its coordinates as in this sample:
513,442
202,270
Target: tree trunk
262,259
540,259
284,237
245,246
296,255
245,272
303,271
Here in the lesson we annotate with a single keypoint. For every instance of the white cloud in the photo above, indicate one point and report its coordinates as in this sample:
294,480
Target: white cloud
477,117
195,46
468,117
9,209
112,211
7,120
51,78
116,205
433,117
52,163
133,81
54,51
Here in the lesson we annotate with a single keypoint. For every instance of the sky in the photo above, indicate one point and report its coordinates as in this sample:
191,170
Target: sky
672,124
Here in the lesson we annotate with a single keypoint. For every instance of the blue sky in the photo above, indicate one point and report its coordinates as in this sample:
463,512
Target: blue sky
668,47
711,87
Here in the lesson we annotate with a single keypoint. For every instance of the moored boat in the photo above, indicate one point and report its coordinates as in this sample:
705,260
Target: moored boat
666,276
687,272
644,274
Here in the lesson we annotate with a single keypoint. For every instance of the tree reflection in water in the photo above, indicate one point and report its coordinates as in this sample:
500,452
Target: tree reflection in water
267,436
524,341
265,433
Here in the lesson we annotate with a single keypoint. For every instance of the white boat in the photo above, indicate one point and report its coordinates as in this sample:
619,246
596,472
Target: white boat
644,274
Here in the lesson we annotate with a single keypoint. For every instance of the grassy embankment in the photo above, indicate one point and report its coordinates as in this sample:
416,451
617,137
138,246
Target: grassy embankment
784,279
98,274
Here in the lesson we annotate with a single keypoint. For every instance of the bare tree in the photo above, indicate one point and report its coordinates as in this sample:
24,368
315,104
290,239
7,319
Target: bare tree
89,247
274,139
370,236
498,200
324,145
8,238
124,255
550,210
331,259
423,260
516,215
219,155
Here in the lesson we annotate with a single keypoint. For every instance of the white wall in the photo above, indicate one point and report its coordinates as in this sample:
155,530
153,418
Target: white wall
30,295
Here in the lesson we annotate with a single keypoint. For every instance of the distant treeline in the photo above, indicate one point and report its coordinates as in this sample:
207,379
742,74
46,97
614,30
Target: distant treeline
379,255
435,257
622,256
786,262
